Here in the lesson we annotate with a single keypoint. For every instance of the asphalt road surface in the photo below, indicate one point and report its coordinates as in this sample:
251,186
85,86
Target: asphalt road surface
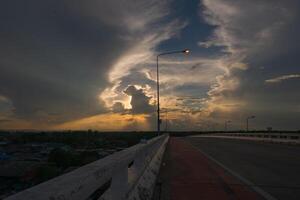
274,168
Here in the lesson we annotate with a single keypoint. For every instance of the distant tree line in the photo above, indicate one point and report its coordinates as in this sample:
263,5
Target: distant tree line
88,139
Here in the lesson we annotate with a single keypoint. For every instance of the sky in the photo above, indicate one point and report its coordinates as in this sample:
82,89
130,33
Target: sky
71,64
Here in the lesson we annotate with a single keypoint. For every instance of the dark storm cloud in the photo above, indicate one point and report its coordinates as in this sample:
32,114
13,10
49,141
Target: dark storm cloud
118,107
135,77
139,101
55,55
59,59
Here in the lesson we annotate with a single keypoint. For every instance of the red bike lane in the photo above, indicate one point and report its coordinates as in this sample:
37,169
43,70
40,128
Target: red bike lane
187,174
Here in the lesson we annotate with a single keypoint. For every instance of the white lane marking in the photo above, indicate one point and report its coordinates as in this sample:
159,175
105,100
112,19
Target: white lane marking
257,189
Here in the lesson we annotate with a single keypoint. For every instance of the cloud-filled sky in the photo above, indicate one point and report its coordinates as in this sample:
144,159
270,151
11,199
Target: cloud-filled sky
71,64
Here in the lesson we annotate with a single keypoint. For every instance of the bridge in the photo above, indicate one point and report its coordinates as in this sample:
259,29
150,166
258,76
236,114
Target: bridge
214,166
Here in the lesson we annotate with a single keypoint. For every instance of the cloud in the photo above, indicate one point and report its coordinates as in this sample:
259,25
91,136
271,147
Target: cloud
3,99
140,103
118,107
256,44
135,65
107,122
57,56
64,61
282,78
6,109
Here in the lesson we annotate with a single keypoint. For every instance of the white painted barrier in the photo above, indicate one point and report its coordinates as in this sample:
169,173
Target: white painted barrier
128,174
284,138
264,135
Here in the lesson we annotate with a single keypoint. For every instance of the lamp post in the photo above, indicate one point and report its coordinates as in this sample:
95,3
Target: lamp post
166,128
226,124
247,122
185,51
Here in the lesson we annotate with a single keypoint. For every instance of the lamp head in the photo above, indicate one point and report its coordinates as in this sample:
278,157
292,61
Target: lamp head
186,51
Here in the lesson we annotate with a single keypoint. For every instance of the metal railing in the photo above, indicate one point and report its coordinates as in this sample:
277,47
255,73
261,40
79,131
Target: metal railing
128,174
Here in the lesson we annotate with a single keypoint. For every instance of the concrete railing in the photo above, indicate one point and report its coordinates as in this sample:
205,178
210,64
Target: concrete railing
283,138
128,174
265,135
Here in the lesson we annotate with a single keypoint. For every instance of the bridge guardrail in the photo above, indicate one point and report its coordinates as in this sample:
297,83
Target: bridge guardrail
265,135
128,174
282,138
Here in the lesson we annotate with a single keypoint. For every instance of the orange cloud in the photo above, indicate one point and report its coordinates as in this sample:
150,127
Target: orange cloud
108,122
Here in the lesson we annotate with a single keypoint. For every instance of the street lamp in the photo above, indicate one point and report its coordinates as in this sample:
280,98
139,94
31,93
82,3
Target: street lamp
247,122
226,124
185,51
166,128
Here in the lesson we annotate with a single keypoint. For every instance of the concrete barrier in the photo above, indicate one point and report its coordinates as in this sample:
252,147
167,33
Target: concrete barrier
128,174
283,138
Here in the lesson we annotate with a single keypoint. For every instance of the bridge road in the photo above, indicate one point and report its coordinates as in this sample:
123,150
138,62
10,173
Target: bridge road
187,174
275,168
